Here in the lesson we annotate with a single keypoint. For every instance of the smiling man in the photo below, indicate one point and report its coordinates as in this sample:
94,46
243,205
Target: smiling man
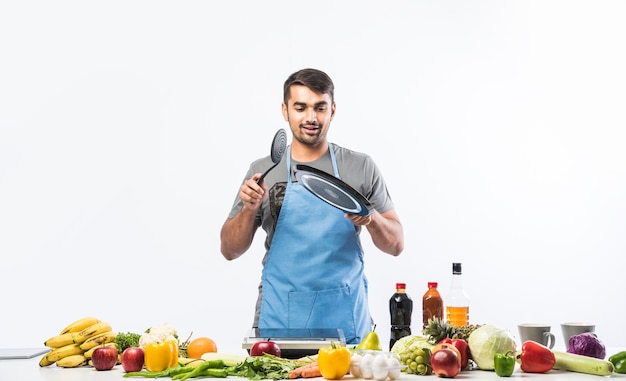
313,269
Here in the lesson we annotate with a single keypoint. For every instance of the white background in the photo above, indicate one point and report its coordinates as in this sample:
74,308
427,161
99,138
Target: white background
127,126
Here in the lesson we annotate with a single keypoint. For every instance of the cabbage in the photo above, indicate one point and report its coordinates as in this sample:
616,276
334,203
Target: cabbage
404,343
486,341
586,344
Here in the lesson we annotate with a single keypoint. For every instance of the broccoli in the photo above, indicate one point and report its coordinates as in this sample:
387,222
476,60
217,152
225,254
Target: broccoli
126,340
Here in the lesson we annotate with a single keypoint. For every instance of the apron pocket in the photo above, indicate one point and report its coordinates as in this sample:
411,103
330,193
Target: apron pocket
322,309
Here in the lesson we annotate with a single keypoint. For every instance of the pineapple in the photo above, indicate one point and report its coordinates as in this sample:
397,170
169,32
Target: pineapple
438,329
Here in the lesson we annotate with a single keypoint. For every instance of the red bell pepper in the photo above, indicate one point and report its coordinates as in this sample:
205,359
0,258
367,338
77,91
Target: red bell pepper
463,348
536,358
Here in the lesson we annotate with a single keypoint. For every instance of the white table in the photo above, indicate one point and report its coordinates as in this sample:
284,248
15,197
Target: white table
29,369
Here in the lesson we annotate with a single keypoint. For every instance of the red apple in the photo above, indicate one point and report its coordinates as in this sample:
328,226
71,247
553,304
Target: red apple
132,359
463,348
445,362
104,358
268,347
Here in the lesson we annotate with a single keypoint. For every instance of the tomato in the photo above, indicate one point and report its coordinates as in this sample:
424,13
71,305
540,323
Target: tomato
199,346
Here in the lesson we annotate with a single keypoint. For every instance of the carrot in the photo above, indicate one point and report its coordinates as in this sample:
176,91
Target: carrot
295,373
306,371
313,371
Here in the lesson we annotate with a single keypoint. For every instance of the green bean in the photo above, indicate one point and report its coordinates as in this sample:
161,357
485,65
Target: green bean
146,374
181,370
210,372
211,368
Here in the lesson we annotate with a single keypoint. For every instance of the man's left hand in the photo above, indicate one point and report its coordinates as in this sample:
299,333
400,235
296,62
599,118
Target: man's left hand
359,220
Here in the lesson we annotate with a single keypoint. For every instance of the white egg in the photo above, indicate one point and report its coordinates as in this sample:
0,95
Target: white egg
394,367
379,368
366,365
355,365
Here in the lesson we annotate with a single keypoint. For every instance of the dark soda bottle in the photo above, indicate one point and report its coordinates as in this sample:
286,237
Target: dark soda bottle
400,309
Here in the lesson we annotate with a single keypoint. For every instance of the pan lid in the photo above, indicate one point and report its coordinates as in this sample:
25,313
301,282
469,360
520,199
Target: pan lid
333,191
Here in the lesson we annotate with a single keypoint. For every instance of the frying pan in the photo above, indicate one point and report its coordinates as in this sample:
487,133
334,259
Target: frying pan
279,143
333,191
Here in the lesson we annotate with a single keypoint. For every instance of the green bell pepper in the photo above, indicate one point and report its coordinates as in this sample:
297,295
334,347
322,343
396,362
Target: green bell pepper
619,362
504,363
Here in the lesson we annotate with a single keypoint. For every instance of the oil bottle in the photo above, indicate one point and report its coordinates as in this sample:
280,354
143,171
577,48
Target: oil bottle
457,301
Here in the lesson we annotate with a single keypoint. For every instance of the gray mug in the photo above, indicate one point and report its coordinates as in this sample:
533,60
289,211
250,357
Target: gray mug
539,333
571,329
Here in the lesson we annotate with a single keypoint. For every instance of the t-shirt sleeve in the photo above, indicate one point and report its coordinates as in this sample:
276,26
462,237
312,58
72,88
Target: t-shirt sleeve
379,196
361,172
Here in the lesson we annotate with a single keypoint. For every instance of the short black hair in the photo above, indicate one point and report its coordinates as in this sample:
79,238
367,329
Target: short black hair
314,79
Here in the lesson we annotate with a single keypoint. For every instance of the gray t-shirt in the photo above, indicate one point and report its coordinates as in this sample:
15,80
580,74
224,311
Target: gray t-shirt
356,169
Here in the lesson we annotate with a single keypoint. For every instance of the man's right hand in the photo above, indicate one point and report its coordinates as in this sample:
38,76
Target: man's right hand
253,194
238,232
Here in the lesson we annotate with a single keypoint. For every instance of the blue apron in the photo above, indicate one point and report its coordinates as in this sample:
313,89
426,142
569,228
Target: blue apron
313,275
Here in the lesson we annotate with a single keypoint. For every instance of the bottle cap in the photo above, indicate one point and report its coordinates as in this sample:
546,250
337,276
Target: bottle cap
401,286
456,268
432,284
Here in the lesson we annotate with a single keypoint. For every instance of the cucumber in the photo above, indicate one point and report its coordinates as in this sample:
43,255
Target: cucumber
229,359
582,364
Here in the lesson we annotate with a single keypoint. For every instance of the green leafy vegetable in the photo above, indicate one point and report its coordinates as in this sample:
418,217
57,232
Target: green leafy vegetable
264,367
126,340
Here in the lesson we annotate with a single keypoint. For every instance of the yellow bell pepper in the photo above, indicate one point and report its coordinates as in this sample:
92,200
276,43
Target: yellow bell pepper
333,361
159,356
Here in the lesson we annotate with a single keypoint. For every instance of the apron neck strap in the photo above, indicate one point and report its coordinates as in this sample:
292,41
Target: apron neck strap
332,160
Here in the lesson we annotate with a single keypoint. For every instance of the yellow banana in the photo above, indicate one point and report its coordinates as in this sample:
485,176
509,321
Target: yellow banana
44,361
80,324
59,341
68,350
94,341
73,361
77,337
93,330
89,353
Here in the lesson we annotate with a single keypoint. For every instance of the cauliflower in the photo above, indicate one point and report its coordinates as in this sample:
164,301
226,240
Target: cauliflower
158,334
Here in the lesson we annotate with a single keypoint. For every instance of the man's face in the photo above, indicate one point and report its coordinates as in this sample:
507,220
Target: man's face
309,115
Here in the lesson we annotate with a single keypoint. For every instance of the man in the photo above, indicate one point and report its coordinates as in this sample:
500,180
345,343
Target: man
313,268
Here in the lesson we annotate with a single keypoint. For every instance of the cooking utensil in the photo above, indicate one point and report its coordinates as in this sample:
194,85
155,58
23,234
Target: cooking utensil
296,343
279,144
333,191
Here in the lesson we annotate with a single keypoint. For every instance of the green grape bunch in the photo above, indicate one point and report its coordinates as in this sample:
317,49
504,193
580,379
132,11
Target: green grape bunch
414,353
417,361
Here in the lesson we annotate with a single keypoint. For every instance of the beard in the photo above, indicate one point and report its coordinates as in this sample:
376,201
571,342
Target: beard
309,134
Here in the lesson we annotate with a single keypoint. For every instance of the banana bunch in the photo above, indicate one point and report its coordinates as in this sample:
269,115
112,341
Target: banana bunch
73,346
